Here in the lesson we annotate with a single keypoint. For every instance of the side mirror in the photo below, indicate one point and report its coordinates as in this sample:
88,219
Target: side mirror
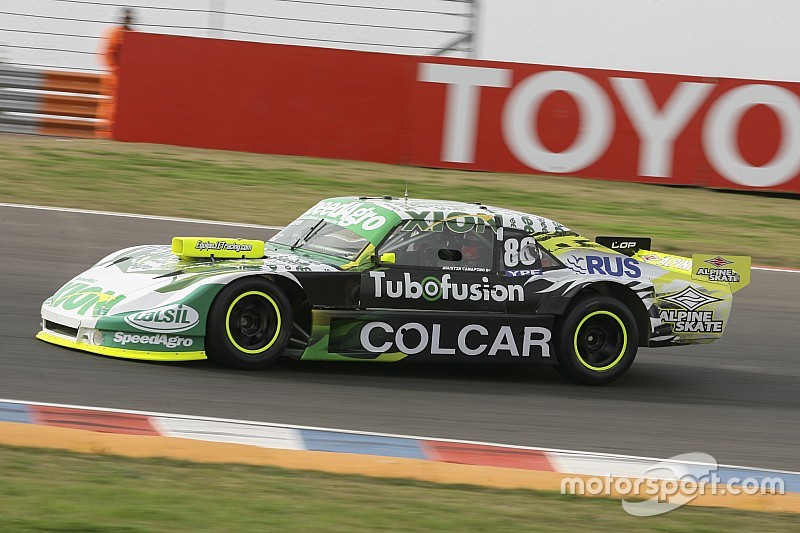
388,258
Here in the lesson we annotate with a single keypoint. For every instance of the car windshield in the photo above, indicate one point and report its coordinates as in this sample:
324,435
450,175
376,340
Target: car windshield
323,237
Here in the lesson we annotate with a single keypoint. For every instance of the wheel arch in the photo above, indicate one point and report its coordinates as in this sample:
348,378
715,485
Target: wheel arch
627,297
301,309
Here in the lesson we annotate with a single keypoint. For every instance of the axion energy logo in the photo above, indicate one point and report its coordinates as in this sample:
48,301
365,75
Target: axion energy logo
435,288
454,221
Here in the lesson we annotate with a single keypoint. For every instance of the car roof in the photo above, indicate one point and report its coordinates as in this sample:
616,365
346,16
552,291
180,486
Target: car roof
417,208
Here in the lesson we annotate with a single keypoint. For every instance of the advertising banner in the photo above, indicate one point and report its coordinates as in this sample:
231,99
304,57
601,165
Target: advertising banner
460,113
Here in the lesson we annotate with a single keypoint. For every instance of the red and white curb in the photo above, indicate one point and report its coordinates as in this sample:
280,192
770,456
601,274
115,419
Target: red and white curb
292,437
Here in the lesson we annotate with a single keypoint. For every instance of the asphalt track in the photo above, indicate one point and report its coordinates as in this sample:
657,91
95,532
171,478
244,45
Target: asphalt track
737,399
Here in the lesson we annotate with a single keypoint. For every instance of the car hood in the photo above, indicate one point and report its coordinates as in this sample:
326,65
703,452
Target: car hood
151,276
159,261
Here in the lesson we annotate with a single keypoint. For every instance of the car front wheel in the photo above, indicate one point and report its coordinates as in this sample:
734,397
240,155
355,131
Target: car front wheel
249,324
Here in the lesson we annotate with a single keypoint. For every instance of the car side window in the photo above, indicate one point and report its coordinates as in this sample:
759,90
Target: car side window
439,246
521,253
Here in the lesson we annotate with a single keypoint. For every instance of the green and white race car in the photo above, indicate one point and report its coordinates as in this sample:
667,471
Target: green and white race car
389,279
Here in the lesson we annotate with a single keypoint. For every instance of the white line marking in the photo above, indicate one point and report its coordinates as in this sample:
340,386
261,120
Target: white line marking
134,215
374,434
777,269
250,434
220,223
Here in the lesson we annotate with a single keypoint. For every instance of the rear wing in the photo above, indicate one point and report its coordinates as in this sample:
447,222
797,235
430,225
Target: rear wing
624,245
733,270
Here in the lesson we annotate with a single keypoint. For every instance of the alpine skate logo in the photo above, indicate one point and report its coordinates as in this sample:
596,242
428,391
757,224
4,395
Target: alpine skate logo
690,299
718,261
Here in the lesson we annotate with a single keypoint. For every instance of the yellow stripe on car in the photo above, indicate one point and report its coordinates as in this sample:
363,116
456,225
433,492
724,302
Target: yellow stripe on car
121,352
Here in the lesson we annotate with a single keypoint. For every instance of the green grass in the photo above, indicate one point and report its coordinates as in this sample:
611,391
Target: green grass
45,490
266,189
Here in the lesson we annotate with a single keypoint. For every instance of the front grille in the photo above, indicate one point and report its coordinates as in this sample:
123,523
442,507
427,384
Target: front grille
61,329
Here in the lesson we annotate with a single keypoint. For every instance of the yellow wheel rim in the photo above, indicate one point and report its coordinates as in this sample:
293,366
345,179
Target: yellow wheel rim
618,358
277,328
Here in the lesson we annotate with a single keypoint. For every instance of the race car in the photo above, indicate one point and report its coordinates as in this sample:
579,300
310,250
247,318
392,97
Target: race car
386,279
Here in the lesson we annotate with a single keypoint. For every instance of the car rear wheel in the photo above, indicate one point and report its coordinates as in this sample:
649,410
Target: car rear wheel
598,340
249,324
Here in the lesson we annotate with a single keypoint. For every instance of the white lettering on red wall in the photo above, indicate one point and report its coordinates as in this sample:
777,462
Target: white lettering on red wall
601,107
658,128
594,133
463,100
721,126
460,113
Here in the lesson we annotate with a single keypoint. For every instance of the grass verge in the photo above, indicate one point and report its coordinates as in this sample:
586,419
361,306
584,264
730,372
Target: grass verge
46,490
266,189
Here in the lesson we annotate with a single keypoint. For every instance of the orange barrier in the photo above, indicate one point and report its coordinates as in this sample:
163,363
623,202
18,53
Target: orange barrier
71,82
52,102
64,127
69,106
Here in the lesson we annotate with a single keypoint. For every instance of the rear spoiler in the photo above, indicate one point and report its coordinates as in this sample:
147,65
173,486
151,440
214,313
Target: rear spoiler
733,270
625,245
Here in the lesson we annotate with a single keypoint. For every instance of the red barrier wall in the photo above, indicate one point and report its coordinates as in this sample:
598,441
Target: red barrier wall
458,113
254,97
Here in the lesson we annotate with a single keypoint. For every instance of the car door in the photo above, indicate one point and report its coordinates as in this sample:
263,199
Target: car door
528,267
431,268
436,292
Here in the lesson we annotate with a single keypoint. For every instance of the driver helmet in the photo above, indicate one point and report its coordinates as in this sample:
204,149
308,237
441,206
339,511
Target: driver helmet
472,247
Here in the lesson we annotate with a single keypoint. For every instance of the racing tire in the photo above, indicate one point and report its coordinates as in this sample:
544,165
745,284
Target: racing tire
249,324
597,341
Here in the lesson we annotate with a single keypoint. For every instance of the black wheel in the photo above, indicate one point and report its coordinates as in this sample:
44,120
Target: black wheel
249,324
597,341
